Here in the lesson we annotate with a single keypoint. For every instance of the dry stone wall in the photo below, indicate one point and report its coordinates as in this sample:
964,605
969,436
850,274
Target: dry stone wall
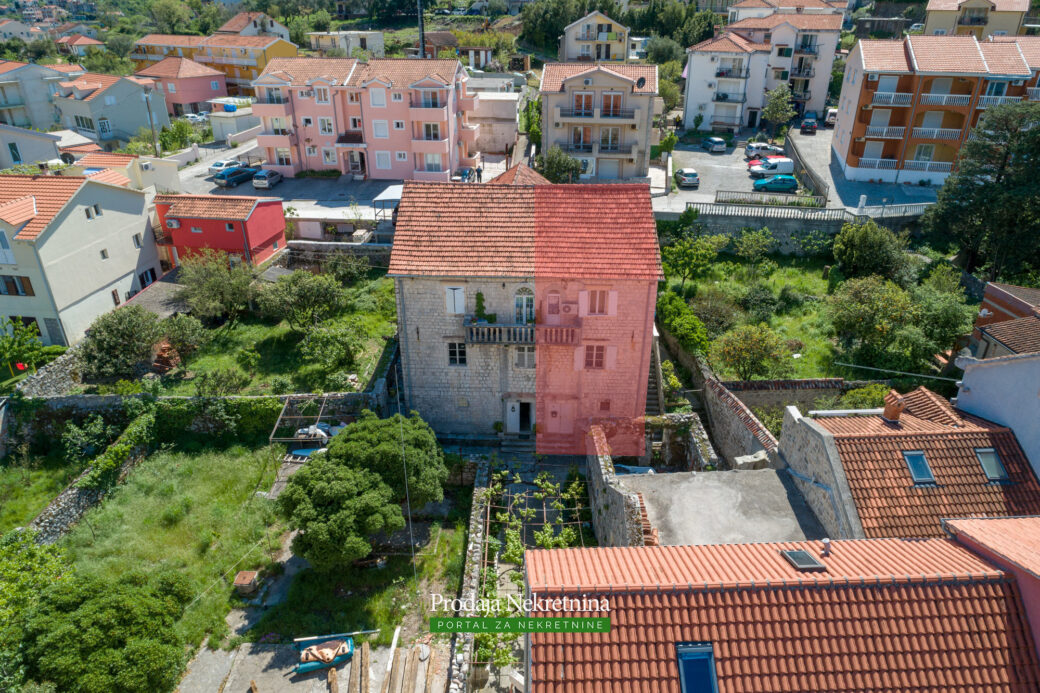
616,512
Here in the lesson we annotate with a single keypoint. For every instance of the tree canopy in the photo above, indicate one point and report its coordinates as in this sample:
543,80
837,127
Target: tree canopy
865,249
557,166
778,109
753,350
118,341
214,288
303,299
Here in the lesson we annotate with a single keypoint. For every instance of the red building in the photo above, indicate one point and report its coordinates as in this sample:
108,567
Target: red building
250,228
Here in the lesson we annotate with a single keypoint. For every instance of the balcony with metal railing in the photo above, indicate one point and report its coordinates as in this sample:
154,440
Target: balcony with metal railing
929,166
803,72
801,95
987,101
891,98
1033,93
888,133
611,115
727,97
877,163
807,49
576,147
614,149
737,72
937,133
945,99
428,111
973,19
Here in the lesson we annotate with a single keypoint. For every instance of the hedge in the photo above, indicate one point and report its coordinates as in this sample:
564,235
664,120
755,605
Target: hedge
140,433
246,419
678,318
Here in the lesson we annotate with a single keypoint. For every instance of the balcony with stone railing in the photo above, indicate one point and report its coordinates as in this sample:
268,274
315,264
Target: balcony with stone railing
513,333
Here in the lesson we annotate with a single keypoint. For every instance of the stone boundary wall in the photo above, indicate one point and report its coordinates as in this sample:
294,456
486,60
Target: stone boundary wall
736,431
461,648
804,393
616,515
55,378
309,253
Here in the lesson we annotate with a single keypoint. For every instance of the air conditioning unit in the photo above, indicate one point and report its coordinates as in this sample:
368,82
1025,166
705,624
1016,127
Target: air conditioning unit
173,224
1018,82
634,126
711,85
588,82
872,77
146,165
556,125
861,139
567,308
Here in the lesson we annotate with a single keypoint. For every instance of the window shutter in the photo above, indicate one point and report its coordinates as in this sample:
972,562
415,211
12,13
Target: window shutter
611,357
27,285
583,303
454,300
579,358
612,303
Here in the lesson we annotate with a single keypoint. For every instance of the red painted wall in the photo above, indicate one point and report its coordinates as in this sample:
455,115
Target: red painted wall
254,238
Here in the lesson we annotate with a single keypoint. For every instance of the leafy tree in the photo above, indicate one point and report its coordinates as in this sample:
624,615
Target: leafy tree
698,27
675,315
20,343
118,341
347,268
754,245
119,44
533,118
333,345
302,299
945,316
81,443
214,288
837,78
943,277
104,62
90,634
379,445
298,28
209,17
669,93
661,49
753,350
497,8
39,49
778,108
865,249
688,257
170,16
869,310
177,136
989,203
220,382
668,142
446,54
557,166
337,508
185,333
867,397
321,20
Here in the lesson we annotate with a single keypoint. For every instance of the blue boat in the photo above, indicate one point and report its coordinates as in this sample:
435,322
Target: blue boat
301,644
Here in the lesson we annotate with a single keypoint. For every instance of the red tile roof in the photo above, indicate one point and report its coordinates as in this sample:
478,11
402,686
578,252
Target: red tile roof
728,42
9,65
106,160
489,230
401,72
67,67
803,22
87,147
303,70
998,5
169,40
79,40
555,74
218,40
1015,539
110,176
520,175
885,56
50,195
1021,335
178,68
957,54
93,83
17,212
239,22
1024,293
1029,45
1004,59
888,502
232,208
885,615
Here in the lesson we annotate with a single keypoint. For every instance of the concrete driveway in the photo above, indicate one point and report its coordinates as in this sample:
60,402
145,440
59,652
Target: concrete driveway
819,157
718,171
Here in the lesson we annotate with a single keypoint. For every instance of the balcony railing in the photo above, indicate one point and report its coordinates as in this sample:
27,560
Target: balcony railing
725,97
807,49
726,120
162,236
733,72
973,20
803,72
800,95
578,147
614,148
929,166
500,334
277,100
877,163
985,101
937,133
554,334
1034,93
946,99
577,112
7,257
895,133
891,98
13,103
625,113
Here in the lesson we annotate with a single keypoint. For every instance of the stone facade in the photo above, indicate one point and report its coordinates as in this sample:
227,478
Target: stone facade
736,431
309,253
812,458
617,514
57,378
461,652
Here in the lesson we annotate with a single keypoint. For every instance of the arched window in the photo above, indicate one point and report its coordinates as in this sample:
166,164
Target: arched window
524,302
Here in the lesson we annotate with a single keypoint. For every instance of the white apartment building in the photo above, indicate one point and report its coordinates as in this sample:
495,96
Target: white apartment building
27,92
763,8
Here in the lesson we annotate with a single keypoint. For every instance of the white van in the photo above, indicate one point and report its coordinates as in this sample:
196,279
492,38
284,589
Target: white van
772,167
832,117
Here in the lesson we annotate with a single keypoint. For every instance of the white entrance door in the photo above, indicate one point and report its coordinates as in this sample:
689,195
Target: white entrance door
552,309
873,149
609,168
512,416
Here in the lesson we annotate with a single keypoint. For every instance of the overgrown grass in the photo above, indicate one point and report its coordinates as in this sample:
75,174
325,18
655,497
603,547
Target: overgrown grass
26,488
196,514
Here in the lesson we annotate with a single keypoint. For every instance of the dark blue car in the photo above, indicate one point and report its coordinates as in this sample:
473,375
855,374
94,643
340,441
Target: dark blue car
231,177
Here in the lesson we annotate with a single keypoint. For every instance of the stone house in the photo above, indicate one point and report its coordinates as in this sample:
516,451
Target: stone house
24,146
520,312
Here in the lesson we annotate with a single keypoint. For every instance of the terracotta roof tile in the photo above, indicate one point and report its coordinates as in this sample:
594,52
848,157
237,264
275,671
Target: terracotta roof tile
885,615
757,4
520,174
170,40
1029,45
219,40
489,230
106,160
50,194
1024,293
303,70
401,72
998,5
9,65
888,502
884,56
1021,335
17,212
79,40
728,42
88,147
803,22
178,68
67,67
956,54
92,82
233,208
1016,539
555,74
441,38
110,176
239,22
1004,59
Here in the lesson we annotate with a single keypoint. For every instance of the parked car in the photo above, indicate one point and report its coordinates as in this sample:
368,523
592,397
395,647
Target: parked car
832,118
222,165
229,178
442,10
809,126
687,177
773,167
713,144
760,149
266,179
462,175
458,10
783,183
917,28
763,160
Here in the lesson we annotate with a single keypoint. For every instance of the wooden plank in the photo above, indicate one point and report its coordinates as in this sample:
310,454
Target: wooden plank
333,680
253,687
430,661
411,670
385,687
366,653
397,673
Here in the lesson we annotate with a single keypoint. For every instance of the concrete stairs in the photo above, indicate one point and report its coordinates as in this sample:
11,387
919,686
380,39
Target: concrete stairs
514,445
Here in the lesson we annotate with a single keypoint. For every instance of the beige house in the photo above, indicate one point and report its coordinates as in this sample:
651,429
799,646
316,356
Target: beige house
602,115
157,175
26,92
254,24
980,18
347,42
594,37
22,146
71,248
110,109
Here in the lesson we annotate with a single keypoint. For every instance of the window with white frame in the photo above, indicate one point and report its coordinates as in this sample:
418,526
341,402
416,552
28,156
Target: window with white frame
355,123
431,131
171,87
312,150
354,97
137,241
325,126
525,356
214,85
383,160
398,125
307,121
282,156
598,302
456,353
379,129
111,100
328,155
523,304
397,96
595,356
321,94
432,162
377,97
401,156
455,300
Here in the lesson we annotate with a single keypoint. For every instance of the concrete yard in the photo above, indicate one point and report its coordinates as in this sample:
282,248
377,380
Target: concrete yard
725,507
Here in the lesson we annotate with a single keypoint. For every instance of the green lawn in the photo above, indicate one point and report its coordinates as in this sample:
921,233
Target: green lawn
372,303
26,490
197,514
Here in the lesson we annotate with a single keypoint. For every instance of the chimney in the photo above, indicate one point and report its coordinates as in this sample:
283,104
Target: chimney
894,405
826,547
44,168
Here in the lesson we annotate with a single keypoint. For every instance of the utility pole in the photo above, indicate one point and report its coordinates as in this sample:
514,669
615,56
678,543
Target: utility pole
147,96
422,31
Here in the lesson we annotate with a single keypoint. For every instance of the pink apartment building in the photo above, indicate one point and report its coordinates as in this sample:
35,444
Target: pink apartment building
186,84
384,119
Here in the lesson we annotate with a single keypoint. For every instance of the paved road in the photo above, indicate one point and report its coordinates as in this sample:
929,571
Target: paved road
718,171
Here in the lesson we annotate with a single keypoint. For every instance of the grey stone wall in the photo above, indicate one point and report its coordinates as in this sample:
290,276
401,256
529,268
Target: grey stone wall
812,458
461,651
803,393
736,431
58,377
310,253
616,513
785,231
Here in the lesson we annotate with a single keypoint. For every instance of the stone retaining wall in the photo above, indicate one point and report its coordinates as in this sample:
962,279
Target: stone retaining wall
781,393
616,512
58,377
461,650
736,431
309,253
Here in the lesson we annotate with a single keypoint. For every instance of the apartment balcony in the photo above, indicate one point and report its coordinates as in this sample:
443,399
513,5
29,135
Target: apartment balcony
945,99
929,166
987,101
146,56
425,146
428,114
891,98
611,115
272,108
469,133
803,72
162,236
613,149
877,163
973,20
937,133
576,147
724,97
733,72
801,95
886,133
735,121
500,334
432,176
469,103
225,60
807,49
1033,93
276,138
557,335
11,103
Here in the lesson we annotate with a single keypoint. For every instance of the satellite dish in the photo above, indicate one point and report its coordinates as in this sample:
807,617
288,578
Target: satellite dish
641,82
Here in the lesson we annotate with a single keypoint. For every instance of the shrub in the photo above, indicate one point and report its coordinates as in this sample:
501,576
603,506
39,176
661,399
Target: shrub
338,382
281,384
81,442
185,333
716,311
869,397
220,382
865,249
335,345
118,341
753,350
759,302
302,299
139,434
248,358
679,320
214,288
347,268
789,299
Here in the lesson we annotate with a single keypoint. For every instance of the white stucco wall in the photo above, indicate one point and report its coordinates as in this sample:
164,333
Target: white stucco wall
32,146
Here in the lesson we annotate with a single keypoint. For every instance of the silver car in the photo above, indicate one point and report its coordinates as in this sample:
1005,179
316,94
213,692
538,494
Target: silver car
266,179
218,166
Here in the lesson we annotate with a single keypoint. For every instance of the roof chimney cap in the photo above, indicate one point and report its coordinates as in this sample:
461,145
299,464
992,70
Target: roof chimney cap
826,547
894,406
